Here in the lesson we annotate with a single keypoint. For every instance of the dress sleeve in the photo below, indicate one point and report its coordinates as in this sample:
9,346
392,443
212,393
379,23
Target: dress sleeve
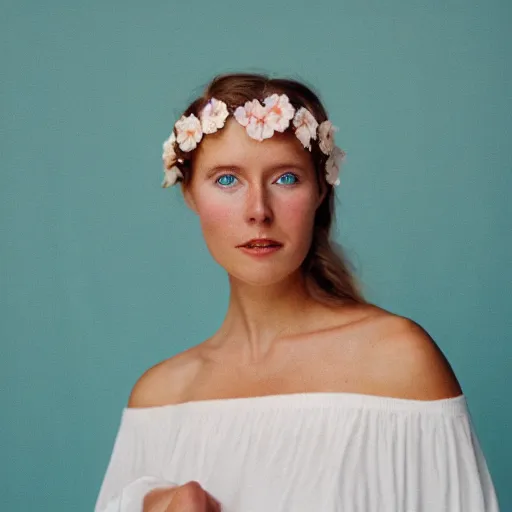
132,472
444,467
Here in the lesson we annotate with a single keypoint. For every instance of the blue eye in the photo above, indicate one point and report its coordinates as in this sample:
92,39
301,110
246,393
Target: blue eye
226,185
223,176
294,176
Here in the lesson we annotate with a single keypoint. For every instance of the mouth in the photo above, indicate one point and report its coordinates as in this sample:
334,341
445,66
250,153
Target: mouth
261,246
261,243
254,250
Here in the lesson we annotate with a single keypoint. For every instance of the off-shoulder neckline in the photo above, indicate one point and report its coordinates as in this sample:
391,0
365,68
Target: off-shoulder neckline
452,405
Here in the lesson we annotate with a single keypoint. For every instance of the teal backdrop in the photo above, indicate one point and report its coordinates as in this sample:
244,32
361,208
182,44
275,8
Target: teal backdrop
104,273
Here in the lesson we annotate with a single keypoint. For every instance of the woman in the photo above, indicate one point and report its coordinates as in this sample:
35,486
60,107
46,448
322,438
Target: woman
308,397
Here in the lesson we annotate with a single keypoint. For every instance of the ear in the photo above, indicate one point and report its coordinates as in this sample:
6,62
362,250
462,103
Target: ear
188,198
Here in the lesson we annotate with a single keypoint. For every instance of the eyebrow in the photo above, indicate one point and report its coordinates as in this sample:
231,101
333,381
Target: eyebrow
236,168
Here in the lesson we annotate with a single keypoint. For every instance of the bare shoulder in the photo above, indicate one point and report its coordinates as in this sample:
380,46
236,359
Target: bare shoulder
165,382
410,361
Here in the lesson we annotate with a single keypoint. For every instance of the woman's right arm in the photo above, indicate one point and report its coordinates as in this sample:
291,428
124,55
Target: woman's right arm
133,470
133,481
130,474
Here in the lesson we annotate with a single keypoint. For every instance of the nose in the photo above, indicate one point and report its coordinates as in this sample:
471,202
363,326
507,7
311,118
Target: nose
258,208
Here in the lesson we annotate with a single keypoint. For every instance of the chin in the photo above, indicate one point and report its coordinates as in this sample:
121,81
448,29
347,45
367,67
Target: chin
262,276
258,280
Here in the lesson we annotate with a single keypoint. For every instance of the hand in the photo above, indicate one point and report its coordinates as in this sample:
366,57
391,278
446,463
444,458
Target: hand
189,497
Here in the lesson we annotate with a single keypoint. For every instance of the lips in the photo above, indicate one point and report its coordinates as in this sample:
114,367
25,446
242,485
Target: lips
260,246
261,242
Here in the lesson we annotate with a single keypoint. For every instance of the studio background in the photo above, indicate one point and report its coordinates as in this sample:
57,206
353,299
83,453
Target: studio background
104,273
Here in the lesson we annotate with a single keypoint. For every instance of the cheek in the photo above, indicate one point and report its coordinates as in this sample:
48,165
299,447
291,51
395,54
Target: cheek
217,217
297,213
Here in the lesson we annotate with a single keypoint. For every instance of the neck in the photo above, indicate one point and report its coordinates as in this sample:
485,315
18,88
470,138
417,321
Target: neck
258,316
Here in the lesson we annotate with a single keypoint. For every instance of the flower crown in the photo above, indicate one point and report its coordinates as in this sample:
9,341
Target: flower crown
260,121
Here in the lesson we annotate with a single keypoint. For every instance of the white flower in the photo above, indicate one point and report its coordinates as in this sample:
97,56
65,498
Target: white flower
279,111
253,116
326,136
244,114
213,116
189,132
171,176
169,155
305,126
333,164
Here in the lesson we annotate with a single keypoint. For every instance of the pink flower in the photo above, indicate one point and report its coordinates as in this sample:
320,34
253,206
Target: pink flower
189,132
169,155
326,132
305,127
333,164
244,114
279,111
171,176
213,116
253,116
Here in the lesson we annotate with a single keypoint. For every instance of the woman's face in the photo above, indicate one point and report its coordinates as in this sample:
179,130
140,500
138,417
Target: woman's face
242,188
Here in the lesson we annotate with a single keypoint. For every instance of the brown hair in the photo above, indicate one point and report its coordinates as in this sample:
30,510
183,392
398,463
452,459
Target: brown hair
329,274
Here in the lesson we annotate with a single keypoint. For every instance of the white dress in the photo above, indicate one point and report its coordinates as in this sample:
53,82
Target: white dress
304,452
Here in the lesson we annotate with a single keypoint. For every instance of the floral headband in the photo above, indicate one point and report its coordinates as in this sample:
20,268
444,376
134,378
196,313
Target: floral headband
260,121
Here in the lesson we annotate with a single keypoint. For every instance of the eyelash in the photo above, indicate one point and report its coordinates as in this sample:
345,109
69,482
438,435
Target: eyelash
286,174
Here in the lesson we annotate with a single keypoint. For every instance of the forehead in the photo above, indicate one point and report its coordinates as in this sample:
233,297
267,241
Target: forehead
233,146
